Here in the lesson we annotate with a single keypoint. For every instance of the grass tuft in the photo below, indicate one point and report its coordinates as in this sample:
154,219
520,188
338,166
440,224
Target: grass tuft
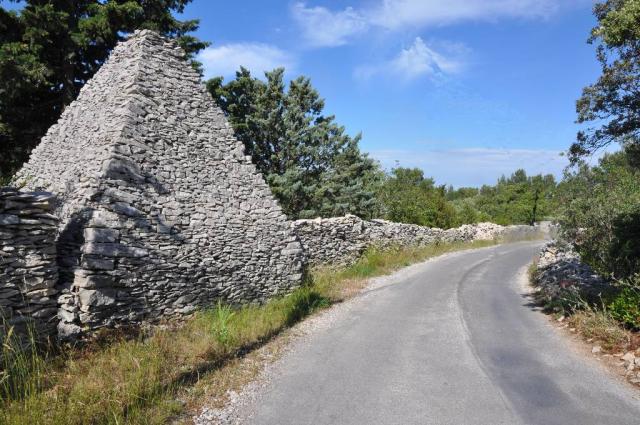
602,328
22,368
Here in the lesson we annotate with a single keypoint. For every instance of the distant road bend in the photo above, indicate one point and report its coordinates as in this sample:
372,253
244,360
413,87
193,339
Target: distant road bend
454,342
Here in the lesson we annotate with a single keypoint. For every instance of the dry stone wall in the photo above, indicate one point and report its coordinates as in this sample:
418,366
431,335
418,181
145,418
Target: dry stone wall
160,209
28,269
342,240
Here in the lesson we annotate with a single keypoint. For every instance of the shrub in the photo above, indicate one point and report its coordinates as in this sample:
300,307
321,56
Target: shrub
625,307
600,211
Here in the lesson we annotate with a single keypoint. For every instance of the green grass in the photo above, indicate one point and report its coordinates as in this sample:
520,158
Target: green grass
139,380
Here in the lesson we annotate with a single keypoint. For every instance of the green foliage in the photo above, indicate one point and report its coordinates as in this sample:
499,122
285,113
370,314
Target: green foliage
49,49
611,104
461,193
220,327
517,199
304,302
311,165
625,307
600,210
408,197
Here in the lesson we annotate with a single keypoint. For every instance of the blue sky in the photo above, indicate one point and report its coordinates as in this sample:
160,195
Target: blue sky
465,89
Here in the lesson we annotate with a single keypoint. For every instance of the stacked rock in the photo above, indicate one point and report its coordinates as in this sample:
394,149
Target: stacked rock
337,241
342,240
561,275
28,271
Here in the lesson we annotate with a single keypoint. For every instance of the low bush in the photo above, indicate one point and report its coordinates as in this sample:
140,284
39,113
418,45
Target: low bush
625,307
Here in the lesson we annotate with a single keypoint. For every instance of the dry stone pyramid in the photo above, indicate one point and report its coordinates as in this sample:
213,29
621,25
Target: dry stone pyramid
160,209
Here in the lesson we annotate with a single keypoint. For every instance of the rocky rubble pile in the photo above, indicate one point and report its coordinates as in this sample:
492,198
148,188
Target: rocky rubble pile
28,271
562,277
488,231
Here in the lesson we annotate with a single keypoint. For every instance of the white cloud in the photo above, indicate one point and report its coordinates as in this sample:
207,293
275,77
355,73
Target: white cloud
419,60
395,14
226,59
322,27
474,166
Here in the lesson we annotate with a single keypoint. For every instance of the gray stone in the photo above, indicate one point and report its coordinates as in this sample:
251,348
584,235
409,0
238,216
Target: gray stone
93,281
342,240
7,219
113,250
95,298
68,330
101,235
28,269
96,263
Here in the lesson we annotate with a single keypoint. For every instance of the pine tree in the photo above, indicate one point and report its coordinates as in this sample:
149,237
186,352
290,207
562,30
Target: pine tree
313,167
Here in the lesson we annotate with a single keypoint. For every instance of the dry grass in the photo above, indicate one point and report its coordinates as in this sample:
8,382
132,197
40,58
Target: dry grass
142,380
594,323
601,328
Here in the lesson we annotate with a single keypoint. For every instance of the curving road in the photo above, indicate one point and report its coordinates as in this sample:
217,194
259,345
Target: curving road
450,341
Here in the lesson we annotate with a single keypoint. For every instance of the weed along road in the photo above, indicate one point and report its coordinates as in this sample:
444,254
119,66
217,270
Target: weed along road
453,340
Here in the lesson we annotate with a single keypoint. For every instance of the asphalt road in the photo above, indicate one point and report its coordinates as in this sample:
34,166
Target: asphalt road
453,342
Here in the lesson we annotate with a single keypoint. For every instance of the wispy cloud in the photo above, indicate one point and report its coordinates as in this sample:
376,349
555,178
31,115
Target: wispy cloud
474,166
226,59
395,14
322,27
419,60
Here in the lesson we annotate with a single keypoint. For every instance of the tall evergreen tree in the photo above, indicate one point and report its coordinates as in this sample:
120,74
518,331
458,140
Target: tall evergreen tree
313,167
50,48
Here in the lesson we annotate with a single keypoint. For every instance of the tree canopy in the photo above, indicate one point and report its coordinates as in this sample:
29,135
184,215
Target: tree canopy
313,167
407,196
611,106
50,48
599,209
517,199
